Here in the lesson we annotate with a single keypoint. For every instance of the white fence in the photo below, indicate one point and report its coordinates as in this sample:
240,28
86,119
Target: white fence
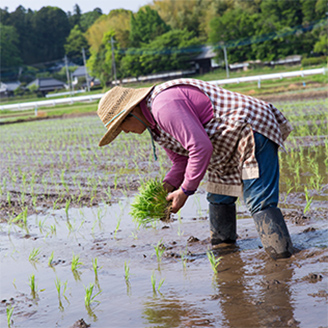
274,76
91,98
53,102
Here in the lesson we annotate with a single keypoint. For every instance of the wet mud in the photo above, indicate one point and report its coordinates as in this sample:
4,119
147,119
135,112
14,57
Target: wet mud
248,290
63,197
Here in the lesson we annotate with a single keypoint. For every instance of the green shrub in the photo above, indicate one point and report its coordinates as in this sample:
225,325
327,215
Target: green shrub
314,61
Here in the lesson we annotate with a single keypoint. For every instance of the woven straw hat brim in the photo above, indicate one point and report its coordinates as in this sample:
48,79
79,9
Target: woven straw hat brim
115,105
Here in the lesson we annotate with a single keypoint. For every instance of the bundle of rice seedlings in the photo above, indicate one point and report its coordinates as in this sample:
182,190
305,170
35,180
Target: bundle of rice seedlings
150,204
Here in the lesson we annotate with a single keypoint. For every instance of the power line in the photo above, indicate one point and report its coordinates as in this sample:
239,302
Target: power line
198,48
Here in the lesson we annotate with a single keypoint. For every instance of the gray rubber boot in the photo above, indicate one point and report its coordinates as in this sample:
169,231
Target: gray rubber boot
271,226
222,224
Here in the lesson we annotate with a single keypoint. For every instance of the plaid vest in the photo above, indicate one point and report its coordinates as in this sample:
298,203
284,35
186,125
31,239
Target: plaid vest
235,118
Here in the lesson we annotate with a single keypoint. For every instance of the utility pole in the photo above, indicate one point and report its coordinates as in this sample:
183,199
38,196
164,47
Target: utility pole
67,74
113,59
226,60
72,83
86,72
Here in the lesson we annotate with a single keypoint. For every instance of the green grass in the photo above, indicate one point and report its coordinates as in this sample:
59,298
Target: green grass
77,108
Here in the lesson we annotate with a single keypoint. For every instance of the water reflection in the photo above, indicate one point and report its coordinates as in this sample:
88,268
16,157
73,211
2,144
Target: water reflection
169,313
254,292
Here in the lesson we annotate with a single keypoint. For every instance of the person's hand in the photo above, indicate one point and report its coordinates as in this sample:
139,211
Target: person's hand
178,198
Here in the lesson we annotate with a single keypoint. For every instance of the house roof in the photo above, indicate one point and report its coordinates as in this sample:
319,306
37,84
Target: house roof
9,86
48,83
207,53
80,72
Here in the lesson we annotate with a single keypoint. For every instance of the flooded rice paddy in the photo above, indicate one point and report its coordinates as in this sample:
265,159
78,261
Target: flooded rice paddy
71,254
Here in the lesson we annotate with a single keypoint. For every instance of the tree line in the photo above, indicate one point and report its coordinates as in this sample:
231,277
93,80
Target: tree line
162,36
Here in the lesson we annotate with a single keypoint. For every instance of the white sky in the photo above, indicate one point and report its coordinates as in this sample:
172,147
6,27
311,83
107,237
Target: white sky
67,5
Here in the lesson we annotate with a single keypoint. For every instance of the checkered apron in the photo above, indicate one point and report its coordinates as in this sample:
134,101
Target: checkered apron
235,118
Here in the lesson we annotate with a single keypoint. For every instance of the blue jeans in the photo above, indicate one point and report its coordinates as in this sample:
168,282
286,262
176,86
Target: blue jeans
263,192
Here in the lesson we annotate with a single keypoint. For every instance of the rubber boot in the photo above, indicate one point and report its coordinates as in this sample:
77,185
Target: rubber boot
271,226
222,224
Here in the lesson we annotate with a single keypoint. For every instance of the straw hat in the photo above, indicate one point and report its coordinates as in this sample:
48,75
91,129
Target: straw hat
115,105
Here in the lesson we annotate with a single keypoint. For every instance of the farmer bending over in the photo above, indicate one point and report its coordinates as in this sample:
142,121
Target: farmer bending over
202,127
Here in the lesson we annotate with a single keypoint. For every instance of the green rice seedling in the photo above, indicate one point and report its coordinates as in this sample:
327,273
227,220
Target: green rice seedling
308,200
22,198
134,235
68,202
180,233
21,220
33,285
9,311
59,284
91,200
297,168
108,193
115,182
161,282
76,264
34,200
50,259
184,258
153,283
54,205
88,298
117,227
100,214
53,229
95,267
159,250
150,204
41,224
34,255
213,261
9,198
126,271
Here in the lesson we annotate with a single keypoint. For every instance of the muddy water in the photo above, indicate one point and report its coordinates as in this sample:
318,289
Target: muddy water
249,289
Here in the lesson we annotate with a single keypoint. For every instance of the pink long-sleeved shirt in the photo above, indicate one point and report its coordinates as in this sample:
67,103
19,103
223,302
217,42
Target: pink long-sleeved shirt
182,111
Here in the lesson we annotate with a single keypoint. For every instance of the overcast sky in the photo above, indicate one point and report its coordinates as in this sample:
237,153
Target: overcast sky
67,5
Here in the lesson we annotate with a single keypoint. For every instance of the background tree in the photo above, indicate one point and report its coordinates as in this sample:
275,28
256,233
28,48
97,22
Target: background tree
4,16
252,29
118,21
233,25
9,52
75,19
131,64
170,51
88,18
74,44
100,62
146,25
21,19
277,17
51,26
184,15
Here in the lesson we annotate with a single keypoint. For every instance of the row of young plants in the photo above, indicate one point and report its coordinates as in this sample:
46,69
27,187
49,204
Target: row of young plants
304,167
67,163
